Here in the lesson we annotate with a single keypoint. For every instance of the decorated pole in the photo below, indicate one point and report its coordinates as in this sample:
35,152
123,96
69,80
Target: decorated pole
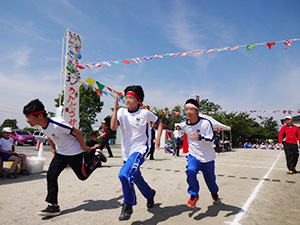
72,78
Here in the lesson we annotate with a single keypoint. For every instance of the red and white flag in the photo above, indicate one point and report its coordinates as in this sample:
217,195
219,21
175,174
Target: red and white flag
158,56
98,65
287,44
234,48
184,54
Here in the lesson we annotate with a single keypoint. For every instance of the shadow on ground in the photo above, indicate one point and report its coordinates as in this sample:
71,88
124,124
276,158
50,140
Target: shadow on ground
163,214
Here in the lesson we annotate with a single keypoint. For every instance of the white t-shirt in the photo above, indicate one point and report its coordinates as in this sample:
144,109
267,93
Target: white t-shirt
59,131
203,149
135,130
177,134
6,144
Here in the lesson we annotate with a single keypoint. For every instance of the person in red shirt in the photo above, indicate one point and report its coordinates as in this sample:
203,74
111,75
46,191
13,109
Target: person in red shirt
288,136
105,139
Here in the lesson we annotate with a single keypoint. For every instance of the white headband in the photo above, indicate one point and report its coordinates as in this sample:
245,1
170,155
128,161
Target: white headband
191,105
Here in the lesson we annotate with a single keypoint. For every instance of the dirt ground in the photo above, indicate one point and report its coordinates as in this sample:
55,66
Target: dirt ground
254,189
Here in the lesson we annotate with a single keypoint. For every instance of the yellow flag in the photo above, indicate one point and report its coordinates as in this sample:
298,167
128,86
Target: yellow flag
90,81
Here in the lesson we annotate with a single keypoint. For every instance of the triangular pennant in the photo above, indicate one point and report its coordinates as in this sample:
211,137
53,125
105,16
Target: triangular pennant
270,44
126,61
100,86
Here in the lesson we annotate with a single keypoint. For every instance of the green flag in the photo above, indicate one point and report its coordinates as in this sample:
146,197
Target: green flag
249,47
100,86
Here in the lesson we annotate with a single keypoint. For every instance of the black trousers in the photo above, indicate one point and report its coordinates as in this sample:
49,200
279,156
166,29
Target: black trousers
152,149
291,154
176,146
104,143
59,162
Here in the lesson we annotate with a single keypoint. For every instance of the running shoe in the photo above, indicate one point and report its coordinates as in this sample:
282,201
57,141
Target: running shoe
295,171
11,176
100,155
23,172
150,201
51,210
192,201
126,212
215,197
291,172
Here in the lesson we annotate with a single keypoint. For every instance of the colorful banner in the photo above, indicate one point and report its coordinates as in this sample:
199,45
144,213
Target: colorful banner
72,82
136,60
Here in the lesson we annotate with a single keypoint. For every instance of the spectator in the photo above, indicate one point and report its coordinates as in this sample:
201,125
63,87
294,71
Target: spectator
105,139
288,136
7,152
90,143
177,140
152,148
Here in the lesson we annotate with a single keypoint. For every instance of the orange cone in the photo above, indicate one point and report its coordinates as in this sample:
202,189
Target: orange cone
37,145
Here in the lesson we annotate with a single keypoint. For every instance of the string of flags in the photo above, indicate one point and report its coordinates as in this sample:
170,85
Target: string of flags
287,44
102,90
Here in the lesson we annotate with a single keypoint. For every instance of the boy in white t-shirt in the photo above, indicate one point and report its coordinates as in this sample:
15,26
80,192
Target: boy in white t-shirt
201,153
67,145
135,127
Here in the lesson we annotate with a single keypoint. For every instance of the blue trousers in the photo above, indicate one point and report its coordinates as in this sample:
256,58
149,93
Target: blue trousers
208,169
129,175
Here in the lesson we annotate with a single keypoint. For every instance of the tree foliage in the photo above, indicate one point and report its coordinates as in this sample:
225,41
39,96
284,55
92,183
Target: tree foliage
244,128
12,123
90,106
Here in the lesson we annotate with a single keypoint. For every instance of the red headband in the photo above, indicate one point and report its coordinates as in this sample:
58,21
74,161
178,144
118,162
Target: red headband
132,94
36,113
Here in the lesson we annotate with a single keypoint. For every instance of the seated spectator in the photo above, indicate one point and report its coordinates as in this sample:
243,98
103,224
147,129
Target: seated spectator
271,146
263,146
7,153
167,148
246,145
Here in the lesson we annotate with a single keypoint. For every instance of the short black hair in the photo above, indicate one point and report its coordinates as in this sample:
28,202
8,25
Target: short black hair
34,106
137,89
192,101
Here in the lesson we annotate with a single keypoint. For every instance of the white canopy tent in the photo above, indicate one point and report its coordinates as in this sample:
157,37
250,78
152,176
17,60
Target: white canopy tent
216,124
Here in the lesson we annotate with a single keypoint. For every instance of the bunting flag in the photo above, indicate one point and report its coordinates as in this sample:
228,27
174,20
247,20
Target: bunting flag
210,50
90,81
126,61
287,43
100,86
270,44
98,65
100,91
249,47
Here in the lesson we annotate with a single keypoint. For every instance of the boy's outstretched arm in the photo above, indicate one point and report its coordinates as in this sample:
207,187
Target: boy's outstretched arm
159,132
114,122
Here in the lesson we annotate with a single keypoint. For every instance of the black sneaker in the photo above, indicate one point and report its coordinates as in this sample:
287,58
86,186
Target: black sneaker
51,210
126,212
11,176
150,201
100,155
23,172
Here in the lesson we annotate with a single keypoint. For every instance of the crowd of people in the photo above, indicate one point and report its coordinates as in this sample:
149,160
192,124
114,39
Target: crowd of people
264,145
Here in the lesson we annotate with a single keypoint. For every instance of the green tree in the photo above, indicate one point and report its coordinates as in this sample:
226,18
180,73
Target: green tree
90,106
206,106
12,123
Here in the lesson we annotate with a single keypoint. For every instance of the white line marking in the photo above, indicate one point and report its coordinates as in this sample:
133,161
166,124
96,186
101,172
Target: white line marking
245,207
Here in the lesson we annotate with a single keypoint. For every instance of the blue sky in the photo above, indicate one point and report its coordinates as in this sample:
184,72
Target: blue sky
31,43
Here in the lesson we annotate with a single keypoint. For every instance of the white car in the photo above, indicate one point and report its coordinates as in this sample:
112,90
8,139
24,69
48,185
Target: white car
39,135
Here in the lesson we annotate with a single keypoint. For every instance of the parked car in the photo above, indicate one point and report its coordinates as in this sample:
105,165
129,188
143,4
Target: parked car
39,135
21,137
